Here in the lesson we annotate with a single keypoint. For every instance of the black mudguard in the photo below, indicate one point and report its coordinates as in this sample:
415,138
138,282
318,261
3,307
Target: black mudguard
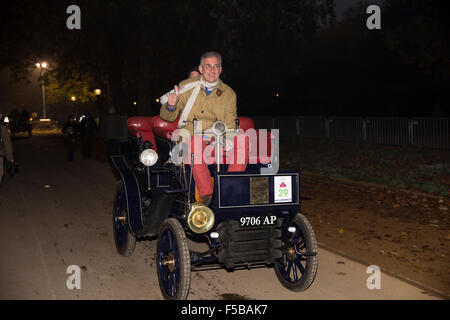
160,208
133,195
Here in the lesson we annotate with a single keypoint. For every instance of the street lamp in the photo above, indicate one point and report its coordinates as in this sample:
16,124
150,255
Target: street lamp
97,92
43,66
73,98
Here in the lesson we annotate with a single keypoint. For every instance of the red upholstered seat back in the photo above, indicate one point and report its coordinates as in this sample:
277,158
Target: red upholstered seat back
264,156
142,126
261,156
139,124
246,123
164,128
149,126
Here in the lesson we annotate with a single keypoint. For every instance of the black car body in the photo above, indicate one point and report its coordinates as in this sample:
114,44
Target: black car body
245,226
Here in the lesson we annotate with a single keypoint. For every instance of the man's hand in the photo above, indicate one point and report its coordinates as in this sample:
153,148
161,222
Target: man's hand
173,97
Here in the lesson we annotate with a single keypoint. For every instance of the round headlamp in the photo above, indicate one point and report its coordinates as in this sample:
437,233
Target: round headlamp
148,157
219,128
200,218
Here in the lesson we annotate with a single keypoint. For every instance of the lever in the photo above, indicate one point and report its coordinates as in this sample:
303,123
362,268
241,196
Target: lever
195,125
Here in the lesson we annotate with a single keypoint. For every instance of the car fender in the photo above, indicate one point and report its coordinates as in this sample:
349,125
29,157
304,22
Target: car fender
132,193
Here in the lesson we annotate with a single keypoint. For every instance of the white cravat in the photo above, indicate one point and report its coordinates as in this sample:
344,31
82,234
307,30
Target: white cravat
196,85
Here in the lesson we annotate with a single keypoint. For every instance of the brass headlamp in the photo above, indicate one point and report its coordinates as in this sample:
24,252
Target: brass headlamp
200,218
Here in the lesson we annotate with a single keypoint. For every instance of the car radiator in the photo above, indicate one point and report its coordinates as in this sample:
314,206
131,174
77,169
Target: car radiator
247,246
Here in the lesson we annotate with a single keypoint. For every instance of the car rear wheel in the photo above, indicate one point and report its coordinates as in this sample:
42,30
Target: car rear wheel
124,240
297,268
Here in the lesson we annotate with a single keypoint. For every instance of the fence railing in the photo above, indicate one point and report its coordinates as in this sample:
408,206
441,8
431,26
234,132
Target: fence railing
420,132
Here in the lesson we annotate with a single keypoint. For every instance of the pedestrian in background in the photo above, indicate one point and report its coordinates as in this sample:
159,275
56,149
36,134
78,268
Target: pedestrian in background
88,130
6,150
71,132
111,130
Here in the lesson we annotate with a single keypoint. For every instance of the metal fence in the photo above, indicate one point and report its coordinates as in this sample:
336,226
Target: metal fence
390,131
431,132
420,132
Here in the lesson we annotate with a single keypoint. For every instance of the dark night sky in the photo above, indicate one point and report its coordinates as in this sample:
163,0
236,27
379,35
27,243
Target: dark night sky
30,94
342,5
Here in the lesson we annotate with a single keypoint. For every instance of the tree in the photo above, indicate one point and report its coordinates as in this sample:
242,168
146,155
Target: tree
419,33
78,86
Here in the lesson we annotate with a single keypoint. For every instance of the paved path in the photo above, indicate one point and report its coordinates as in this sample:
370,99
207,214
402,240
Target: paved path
56,214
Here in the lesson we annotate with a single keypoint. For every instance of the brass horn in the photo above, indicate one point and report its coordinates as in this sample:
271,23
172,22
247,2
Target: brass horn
200,218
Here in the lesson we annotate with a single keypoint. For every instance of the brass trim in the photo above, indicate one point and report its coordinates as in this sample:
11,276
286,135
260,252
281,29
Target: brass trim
290,253
196,207
259,190
169,262
122,219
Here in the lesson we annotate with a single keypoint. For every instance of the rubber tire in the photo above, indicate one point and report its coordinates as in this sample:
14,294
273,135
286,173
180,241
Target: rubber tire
127,248
184,259
301,223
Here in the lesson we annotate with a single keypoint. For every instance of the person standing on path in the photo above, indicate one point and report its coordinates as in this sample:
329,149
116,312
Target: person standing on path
88,130
71,132
111,129
6,150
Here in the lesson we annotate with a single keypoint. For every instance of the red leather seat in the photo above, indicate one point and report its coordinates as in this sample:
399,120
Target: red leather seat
149,126
261,156
164,128
246,123
142,126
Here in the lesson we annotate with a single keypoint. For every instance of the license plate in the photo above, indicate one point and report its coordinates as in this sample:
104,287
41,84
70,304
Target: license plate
257,221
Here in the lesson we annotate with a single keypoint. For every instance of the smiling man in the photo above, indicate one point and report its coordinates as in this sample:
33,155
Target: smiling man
213,100
208,99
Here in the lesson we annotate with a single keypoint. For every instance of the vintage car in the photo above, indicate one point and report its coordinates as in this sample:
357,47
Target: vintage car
252,221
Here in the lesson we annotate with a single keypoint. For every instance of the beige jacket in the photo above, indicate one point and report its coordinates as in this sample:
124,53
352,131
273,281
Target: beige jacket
220,104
